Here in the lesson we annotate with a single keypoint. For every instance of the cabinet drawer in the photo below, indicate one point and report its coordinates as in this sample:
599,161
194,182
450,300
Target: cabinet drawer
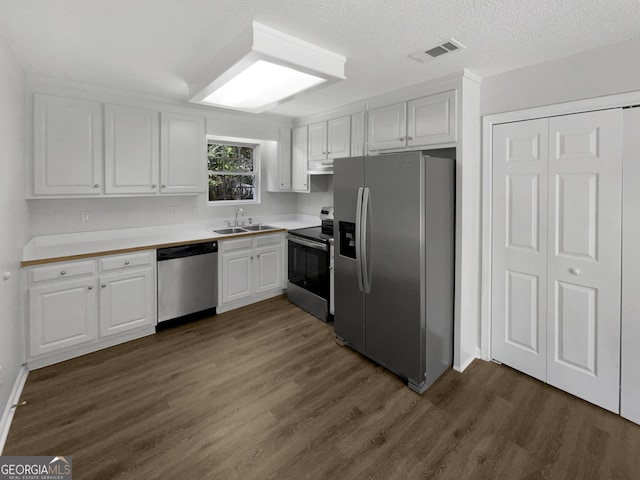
271,239
239,244
118,262
61,271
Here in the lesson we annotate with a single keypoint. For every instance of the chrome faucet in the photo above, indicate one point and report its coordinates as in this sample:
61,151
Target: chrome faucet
242,212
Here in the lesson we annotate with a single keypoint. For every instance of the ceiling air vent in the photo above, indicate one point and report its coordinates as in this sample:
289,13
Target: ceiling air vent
447,47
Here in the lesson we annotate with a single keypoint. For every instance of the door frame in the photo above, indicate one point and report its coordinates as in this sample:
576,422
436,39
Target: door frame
488,121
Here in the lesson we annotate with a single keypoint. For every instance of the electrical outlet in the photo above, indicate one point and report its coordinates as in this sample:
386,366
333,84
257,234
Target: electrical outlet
85,216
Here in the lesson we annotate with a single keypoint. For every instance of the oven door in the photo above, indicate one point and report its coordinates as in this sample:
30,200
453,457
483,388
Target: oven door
309,265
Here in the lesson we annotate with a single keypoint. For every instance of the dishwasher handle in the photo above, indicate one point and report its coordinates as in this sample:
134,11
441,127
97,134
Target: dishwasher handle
190,250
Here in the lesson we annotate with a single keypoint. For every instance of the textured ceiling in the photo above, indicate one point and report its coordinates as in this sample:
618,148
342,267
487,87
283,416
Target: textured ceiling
156,46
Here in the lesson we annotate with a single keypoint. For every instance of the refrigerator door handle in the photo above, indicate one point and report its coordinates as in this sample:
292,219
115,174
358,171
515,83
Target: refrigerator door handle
363,237
357,239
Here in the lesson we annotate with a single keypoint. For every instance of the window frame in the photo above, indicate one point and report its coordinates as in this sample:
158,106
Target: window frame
237,142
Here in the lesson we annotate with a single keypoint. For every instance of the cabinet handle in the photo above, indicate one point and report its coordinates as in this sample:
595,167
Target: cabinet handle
90,287
154,186
574,271
96,185
401,138
251,257
126,262
103,285
164,186
409,138
63,272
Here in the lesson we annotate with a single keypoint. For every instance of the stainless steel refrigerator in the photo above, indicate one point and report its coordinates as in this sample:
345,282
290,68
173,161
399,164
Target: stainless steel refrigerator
394,261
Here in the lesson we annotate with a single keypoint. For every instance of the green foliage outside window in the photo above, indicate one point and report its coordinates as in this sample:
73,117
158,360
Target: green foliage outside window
231,172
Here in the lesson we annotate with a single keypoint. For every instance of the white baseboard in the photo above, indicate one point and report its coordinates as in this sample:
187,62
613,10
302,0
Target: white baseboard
9,409
461,368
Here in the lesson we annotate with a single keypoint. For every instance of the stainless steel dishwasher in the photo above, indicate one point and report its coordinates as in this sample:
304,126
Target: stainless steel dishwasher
187,279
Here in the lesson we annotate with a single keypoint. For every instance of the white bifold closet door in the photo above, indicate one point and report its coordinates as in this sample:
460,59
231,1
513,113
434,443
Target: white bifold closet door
556,273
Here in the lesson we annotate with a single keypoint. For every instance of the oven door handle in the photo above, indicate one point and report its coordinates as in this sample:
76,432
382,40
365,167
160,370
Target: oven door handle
308,243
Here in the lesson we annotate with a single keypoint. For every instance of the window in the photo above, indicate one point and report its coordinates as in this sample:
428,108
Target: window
233,172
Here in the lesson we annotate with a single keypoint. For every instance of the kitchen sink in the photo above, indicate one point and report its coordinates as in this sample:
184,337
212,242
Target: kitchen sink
259,228
229,231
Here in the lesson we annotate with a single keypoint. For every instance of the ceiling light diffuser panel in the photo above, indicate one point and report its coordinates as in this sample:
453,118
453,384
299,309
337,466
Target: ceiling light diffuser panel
265,68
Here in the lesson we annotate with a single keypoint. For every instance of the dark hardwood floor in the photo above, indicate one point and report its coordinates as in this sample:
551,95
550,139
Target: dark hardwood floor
264,392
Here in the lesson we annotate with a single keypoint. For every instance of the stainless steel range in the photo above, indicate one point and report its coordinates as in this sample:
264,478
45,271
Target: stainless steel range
309,282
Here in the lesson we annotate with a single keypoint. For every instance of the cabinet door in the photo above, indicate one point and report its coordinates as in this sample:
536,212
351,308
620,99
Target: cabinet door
269,269
183,158
387,128
432,120
339,137
237,275
131,149
67,136
357,135
318,141
299,175
62,315
127,301
284,159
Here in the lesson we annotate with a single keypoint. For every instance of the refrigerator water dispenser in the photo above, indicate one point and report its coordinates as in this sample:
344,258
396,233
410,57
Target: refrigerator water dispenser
347,239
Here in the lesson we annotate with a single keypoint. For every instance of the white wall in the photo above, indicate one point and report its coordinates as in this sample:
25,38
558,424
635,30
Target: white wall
13,217
603,71
321,195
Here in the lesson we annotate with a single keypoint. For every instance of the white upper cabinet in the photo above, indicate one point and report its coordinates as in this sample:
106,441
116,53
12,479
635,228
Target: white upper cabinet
357,134
299,175
387,127
131,149
432,120
144,152
328,140
284,159
67,146
277,156
416,123
182,154
318,141
339,137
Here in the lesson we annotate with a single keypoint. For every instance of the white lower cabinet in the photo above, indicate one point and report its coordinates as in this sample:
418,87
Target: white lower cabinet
268,269
78,307
236,273
61,315
252,269
126,301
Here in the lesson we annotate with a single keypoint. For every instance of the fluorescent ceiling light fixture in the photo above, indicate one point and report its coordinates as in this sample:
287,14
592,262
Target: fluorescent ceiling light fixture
263,83
265,68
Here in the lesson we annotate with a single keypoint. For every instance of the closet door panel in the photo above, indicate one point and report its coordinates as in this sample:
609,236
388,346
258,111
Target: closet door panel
630,375
519,246
584,255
